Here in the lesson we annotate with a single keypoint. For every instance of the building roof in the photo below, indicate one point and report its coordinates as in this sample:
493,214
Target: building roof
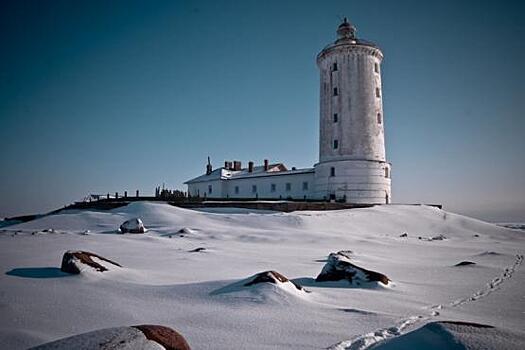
277,169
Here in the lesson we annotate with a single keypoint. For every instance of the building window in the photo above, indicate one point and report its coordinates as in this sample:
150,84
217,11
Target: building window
254,188
305,186
272,187
336,144
334,67
386,172
376,67
209,189
336,117
379,119
332,171
378,93
236,189
288,187
336,92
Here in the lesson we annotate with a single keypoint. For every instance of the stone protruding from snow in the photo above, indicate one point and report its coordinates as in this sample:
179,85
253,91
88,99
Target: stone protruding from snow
465,263
134,225
338,267
270,277
76,261
144,337
167,337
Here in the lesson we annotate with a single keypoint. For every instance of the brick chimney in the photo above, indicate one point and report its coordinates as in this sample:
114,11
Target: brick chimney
237,165
266,165
250,167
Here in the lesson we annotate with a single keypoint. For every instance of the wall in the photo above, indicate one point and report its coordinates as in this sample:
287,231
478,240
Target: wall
359,134
226,188
359,182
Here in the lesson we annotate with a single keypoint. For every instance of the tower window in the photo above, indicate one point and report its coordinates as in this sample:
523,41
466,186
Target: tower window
386,172
332,171
378,93
334,67
336,92
336,144
379,118
254,188
305,186
236,189
288,187
272,187
376,67
335,118
210,189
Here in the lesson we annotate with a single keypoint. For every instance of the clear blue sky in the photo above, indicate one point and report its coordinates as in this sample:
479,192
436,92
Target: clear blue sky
99,96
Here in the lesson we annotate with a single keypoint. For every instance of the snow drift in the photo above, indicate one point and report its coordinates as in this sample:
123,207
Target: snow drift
144,337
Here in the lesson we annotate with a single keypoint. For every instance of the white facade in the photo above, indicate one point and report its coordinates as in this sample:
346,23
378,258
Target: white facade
352,164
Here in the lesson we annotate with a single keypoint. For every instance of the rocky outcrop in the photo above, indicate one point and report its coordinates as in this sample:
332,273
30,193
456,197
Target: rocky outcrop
338,267
144,337
134,225
76,261
167,337
271,277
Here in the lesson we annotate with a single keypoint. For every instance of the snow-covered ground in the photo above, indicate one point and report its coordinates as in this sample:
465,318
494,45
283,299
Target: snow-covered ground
165,280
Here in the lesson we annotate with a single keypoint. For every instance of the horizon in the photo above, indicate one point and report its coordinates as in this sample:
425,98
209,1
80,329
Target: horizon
104,98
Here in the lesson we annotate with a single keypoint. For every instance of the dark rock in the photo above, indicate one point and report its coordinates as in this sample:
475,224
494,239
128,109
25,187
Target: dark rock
72,262
465,263
271,277
167,337
338,267
132,226
196,250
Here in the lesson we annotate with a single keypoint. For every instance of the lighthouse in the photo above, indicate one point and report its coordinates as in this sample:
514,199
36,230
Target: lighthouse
352,162
352,165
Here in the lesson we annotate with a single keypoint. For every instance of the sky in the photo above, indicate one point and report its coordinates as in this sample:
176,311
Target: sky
106,96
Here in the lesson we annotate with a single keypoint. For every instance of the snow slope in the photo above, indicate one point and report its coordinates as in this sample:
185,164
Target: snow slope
163,282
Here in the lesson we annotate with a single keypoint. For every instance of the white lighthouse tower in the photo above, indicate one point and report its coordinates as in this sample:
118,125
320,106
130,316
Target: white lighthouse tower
352,164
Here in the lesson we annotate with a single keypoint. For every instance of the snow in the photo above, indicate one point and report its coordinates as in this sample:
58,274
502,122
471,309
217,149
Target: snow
202,294
119,338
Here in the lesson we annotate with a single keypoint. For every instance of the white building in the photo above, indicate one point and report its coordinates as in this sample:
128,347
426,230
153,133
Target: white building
352,165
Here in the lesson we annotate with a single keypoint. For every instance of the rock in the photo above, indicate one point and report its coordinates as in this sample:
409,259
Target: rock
403,235
167,337
134,225
465,263
144,337
196,250
338,267
76,261
186,230
271,277
439,237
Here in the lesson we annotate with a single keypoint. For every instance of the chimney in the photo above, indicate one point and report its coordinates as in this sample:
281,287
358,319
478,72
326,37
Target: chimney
237,165
266,165
208,167
250,167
